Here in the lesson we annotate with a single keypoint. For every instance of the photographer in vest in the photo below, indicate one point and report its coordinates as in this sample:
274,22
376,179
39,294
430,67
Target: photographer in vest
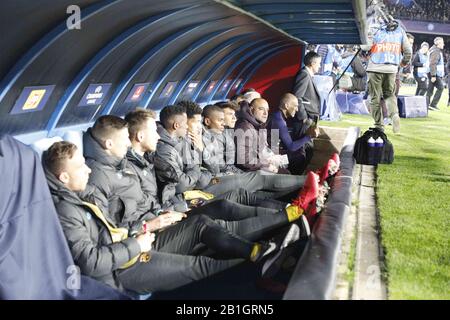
436,73
389,49
421,68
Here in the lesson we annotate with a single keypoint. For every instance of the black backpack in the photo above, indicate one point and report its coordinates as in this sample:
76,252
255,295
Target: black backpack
372,154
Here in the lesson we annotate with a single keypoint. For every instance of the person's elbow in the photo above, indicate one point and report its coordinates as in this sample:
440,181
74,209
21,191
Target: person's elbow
93,267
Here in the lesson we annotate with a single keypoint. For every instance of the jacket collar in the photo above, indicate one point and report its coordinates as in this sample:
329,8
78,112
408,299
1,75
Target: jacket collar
247,115
93,150
165,137
60,192
137,159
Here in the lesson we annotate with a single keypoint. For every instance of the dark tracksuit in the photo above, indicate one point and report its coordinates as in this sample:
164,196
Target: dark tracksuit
239,211
128,204
179,169
435,55
219,152
422,82
299,154
99,257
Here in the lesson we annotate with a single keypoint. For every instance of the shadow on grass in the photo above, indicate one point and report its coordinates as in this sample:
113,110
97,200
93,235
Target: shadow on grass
425,164
439,177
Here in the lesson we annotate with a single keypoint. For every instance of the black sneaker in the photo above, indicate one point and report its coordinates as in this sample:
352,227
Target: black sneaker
432,108
275,260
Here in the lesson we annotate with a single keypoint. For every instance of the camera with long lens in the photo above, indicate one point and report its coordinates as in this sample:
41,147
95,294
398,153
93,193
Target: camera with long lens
390,23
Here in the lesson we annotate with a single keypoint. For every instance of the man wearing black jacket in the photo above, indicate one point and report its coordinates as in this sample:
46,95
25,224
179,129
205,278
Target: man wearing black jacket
305,89
355,71
139,262
238,210
179,171
101,249
421,68
436,73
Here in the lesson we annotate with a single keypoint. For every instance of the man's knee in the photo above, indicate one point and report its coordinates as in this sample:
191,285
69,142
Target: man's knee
241,192
224,204
202,218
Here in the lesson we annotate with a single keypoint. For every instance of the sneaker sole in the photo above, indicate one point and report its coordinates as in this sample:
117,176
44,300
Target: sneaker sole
305,225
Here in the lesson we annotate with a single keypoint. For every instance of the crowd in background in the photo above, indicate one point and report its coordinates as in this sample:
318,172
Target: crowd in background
426,10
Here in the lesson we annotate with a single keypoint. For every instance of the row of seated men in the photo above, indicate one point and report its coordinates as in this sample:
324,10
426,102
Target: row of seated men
141,214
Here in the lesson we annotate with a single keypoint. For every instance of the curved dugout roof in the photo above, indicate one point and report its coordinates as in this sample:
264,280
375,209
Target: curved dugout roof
314,21
127,53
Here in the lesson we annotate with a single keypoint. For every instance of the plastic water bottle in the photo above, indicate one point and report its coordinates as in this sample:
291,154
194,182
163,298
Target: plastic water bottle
371,151
379,143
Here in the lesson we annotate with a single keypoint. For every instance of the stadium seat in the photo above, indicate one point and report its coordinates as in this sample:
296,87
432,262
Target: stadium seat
43,144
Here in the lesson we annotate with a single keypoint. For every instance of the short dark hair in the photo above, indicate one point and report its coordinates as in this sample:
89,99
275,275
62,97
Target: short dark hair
286,99
209,110
54,157
169,112
136,120
231,105
309,57
106,126
237,96
192,108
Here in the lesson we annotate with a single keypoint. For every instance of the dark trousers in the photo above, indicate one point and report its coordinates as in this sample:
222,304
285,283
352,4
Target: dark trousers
299,160
244,197
172,262
422,85
248,216
255,181
167,271
439,85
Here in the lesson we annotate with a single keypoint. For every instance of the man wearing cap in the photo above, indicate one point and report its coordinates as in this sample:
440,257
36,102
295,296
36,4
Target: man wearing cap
421,68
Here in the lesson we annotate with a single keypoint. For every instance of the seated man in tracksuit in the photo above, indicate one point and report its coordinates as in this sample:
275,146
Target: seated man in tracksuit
178,166
218,138
298,154
142,262
128,203
231,209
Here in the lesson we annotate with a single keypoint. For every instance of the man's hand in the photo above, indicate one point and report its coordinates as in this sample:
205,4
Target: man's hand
271,168
196,140
145,241
165,220
433,79
313,132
